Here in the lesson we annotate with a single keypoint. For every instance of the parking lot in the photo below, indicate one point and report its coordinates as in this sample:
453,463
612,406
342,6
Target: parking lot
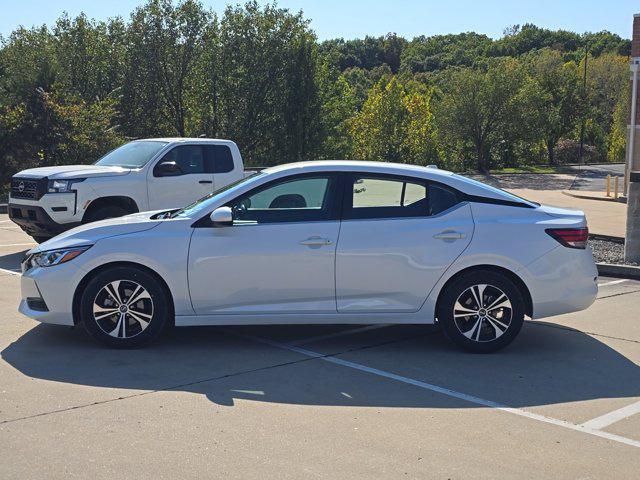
563,401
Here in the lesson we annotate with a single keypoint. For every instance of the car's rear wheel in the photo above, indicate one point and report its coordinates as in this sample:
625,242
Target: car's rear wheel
124,307
481,311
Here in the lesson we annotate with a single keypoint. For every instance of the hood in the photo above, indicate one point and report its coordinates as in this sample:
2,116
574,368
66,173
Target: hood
67,172
92,232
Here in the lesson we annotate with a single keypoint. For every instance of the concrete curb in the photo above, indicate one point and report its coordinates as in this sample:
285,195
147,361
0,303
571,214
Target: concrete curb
609,238
591,197
618,271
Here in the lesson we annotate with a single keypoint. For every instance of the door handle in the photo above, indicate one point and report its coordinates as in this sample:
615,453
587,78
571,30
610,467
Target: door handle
315,242
449,235
205,181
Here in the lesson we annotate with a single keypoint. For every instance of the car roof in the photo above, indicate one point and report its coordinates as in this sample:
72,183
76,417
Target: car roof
361,166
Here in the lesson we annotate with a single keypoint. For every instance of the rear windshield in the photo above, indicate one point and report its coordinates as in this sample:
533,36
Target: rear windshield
131,155
501,193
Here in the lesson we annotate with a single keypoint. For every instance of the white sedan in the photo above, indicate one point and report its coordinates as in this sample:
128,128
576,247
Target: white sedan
326,242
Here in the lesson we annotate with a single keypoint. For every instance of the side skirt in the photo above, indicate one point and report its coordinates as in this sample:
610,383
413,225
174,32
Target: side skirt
303,319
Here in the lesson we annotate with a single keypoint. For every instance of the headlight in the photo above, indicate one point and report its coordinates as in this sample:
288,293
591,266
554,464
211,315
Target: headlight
62,186
54,257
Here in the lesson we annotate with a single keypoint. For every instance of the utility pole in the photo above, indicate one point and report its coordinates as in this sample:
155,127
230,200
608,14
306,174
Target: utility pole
632,170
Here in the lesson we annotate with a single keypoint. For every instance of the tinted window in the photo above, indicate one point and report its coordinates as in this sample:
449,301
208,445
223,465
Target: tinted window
219,158
294,200
385,197
441,199
132,155
188,157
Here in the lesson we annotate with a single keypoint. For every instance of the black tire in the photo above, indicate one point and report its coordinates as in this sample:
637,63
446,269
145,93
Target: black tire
479,332
129,331
102,213
40,239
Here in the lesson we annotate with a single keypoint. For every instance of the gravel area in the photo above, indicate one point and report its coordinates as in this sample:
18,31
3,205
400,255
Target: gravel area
605,251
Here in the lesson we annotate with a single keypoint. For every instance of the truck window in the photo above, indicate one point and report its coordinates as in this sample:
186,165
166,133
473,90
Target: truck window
219,158
188,157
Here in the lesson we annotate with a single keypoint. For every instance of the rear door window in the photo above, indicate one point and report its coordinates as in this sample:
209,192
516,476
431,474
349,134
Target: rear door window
381,196
219,158
385,197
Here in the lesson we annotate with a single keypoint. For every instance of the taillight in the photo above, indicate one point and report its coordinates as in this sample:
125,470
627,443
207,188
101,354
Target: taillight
570,237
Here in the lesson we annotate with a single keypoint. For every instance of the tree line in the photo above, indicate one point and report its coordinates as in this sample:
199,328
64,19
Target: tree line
259,76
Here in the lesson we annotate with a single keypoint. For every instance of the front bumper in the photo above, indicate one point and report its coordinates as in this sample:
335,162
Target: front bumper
47,293
35,220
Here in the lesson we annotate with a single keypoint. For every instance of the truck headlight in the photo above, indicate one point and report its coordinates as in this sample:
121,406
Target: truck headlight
62,186
55,257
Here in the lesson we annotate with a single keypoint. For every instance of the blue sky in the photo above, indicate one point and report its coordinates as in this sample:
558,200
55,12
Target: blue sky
357,18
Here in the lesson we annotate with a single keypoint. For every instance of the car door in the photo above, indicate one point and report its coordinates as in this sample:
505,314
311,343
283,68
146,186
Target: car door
192,178
398,236
277,257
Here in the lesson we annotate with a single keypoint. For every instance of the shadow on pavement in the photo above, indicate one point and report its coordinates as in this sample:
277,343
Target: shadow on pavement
544,366
12,261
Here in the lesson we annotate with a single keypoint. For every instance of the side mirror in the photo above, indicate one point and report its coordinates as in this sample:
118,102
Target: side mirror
221,217
168,168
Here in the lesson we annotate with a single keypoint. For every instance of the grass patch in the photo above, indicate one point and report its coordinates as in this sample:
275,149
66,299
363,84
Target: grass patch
531,169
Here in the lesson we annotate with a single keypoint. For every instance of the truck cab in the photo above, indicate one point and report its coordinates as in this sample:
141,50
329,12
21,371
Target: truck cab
149,174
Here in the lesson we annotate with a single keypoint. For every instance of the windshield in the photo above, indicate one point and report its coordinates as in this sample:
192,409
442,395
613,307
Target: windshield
131,155
205,201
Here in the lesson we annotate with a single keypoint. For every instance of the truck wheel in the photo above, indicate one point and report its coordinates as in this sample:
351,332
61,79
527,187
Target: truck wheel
102,213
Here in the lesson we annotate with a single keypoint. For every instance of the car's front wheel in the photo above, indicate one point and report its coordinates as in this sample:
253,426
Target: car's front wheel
481,311
124,307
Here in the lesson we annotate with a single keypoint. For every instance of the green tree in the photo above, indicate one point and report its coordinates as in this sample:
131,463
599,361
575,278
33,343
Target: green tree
338,104
479,106
395,125
164,46
560,101
607,84
265,90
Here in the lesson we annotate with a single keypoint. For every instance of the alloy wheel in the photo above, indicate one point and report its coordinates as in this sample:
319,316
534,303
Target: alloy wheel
482,313
123,309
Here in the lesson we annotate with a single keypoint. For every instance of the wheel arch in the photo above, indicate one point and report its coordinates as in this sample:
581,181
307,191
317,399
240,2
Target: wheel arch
522,287
126,203
77,295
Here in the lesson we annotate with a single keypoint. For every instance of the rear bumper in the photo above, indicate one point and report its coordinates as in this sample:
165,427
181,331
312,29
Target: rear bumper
562,281
36,221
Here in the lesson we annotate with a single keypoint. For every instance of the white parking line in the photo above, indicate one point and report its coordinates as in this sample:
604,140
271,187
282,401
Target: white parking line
613,417
319,338
446,391
18,244
12,272
613,282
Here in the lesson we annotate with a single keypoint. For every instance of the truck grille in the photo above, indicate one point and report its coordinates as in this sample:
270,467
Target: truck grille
27,188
